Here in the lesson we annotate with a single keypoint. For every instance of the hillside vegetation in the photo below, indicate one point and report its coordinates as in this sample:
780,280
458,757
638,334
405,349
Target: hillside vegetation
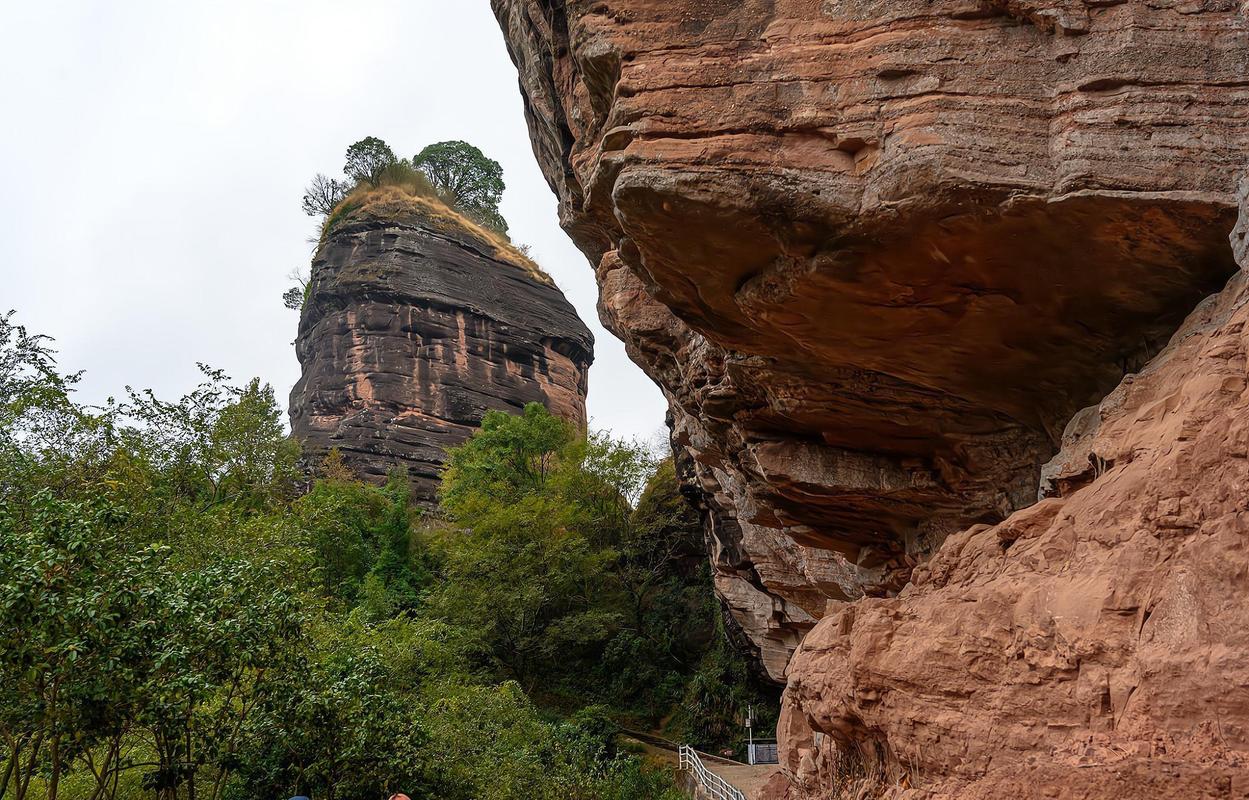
183,616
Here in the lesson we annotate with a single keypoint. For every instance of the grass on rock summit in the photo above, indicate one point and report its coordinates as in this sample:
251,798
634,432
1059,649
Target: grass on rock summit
402,190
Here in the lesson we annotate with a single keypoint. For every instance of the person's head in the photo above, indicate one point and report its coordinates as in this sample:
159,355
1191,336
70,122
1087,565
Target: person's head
400,797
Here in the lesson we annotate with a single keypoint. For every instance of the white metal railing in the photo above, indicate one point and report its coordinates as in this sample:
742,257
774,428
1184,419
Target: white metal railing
715,787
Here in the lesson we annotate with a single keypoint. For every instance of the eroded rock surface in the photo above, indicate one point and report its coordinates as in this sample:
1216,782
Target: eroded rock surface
416,325
877,254
1095,644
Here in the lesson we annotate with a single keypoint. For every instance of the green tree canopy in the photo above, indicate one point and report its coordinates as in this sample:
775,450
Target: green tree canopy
367,159
508,458
467,178
101,640
218,443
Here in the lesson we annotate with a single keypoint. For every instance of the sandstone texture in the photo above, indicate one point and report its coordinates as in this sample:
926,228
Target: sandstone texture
907,272
877,254
1098,638
416,324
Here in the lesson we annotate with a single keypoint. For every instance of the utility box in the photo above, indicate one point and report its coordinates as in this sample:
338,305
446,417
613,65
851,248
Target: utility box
761,753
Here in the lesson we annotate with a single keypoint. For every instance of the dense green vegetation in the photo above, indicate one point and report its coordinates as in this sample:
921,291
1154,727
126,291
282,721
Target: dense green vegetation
182,616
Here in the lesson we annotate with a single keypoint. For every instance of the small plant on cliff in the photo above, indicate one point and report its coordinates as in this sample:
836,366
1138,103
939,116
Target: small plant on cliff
295,297
466,179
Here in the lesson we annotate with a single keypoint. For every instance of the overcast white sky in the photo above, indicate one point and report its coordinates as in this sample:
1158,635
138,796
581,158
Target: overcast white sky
153,154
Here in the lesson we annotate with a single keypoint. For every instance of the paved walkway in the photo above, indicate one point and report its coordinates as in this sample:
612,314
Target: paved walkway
747,778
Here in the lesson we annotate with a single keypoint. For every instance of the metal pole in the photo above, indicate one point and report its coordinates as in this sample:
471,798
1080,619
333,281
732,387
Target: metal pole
750,735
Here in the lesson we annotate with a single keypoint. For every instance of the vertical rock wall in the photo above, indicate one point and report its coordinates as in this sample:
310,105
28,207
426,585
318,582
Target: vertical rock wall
879,255
1095,644
416,324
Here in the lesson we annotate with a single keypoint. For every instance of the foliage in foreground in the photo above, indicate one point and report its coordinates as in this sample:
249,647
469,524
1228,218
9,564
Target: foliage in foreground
181,618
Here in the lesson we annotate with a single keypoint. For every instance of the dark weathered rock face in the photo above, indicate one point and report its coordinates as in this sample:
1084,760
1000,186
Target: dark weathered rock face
415,326
878,253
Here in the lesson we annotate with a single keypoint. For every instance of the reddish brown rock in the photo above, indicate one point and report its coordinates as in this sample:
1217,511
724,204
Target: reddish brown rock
416,324
877,253
1095,644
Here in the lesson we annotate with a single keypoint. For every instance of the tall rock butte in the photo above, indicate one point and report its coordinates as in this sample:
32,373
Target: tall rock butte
416,324
879,255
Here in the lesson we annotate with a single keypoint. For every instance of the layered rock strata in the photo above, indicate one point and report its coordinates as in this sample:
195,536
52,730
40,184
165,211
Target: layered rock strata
877,254
417,323
1095,644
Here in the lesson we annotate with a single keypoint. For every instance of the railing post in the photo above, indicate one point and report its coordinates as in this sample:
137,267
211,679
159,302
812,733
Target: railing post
715,786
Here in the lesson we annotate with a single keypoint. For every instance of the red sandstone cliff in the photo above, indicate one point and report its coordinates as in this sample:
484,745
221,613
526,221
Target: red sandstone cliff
1094,643
878,255
416,324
